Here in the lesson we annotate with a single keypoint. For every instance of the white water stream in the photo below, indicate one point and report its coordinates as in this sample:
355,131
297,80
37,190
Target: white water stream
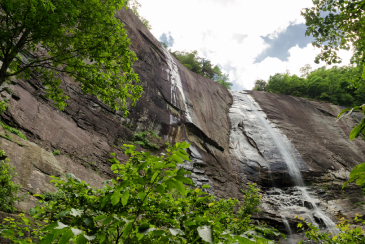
274,149
176,86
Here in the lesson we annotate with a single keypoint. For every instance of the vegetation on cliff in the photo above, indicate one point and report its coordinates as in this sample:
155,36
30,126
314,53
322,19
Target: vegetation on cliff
8,189
202,66
81,39
147,202
134,5
331,85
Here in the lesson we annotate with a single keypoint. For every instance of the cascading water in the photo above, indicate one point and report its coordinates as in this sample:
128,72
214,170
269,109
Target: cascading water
256,141
176,85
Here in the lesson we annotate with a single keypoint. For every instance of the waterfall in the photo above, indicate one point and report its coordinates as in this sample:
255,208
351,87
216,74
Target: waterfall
254,139
176,86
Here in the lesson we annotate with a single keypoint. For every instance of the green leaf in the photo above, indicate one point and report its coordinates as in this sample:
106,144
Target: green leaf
62,214
154,176
176,158
105,200
142,166
183,156
158,232
141,195
357,171
139,236
180,187
88,221
101,236
356,131
99,217
127,229
139,181
170,184
160,189
107,220
115,198
361,180
81,240
38,195
65,237
190,223
158,165
143,228
50,227
181,171
125,197
47,239
184,179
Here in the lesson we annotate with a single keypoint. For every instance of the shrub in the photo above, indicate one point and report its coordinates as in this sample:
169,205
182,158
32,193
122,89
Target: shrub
3,107
344,233
56,152
13,130
143,139
146,202
8,189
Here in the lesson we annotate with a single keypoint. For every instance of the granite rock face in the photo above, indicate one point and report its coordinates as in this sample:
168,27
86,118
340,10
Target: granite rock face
311,127
180,105
176,104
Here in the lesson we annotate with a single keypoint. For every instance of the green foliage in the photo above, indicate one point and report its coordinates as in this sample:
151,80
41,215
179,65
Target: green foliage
8,189
260,85
202,67
82,39
3,107
306,70
147,202
346,233
342,27
134,5
143,139
56,152
164,45
331,85
13,130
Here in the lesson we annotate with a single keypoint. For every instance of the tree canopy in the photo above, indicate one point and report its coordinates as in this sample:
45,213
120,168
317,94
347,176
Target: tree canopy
81,39
202,66
337,25
330,85
260,85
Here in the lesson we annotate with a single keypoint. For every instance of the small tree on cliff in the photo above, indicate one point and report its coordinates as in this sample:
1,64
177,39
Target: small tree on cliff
82,39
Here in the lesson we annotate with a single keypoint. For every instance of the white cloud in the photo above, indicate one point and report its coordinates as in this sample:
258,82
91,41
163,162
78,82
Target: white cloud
210,25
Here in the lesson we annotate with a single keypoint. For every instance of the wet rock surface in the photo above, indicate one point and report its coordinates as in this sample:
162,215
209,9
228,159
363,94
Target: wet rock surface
180,105
266,155
311,127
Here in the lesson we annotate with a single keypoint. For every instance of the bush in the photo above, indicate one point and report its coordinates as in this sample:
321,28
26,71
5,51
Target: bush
13,130
56,152
8,189
148,201
344,233
3,107
143,139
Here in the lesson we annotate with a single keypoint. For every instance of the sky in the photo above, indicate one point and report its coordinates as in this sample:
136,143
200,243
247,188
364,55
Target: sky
248,39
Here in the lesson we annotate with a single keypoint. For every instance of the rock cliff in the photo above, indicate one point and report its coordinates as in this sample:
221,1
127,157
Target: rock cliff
180,105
